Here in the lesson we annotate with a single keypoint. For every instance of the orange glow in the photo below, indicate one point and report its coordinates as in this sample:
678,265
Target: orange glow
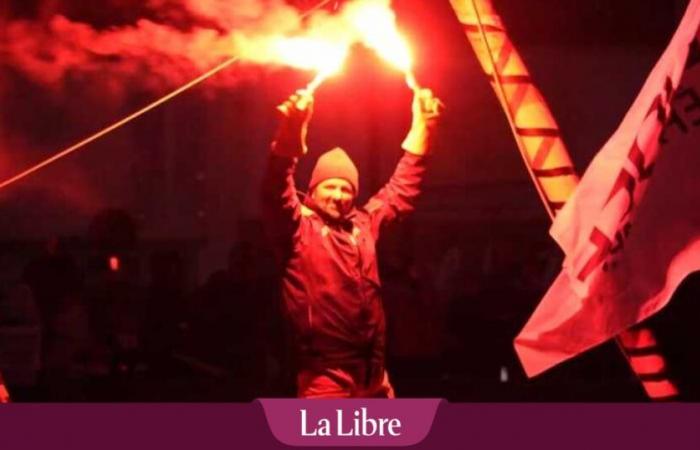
647,364
114,263
638,338
660,389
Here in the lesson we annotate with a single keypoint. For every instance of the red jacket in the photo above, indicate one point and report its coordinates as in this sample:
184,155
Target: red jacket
330,282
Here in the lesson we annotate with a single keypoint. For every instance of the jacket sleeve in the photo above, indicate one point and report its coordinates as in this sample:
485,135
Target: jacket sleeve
280,203
397,198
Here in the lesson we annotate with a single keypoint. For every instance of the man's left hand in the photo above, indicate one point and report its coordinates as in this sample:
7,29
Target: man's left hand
426,110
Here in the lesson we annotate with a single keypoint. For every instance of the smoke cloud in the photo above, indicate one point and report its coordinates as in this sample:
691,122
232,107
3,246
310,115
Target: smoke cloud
159,43
68,67
175,41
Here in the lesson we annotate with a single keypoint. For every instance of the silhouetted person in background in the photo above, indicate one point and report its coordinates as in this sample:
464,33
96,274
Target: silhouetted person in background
229,321
116,300
165,313
56,284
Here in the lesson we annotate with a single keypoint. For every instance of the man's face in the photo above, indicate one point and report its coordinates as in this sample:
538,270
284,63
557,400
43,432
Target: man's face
334,197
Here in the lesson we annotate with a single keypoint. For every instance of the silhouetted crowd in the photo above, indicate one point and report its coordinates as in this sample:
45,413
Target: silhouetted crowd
95,320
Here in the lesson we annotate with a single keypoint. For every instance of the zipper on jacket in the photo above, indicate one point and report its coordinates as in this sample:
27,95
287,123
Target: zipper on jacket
310,317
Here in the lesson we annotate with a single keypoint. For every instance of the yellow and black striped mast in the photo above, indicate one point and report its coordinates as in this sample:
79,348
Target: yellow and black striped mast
547,159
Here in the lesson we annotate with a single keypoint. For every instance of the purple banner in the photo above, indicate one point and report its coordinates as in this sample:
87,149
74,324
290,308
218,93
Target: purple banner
455,426
352,422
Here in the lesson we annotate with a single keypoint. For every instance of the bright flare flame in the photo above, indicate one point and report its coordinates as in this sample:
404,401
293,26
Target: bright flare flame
324,56
325,44
375,23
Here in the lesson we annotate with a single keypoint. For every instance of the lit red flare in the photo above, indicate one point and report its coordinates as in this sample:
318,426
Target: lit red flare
324,45
375,23
323,56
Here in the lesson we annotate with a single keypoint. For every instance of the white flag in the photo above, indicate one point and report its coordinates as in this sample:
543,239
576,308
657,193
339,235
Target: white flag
631,231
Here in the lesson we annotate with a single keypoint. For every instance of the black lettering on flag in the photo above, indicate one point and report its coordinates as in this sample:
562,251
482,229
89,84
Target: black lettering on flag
674,120
603,244
693,54
692,105
625,181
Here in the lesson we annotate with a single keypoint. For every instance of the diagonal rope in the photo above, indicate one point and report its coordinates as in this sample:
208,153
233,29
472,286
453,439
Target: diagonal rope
75,147
509,114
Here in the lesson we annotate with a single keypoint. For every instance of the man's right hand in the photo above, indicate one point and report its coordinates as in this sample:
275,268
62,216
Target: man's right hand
296,111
